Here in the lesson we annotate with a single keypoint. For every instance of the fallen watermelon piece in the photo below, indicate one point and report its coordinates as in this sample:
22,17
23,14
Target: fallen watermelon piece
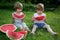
16,16
39,18
5,27
16,35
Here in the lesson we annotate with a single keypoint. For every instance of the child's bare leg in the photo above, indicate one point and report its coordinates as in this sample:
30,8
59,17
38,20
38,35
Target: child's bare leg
25,26
34,29
22,28
50,30
27,29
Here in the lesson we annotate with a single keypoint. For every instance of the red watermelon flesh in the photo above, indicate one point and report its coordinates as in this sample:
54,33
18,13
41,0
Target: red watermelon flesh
17,16
15,35
10,27
39,18
23,32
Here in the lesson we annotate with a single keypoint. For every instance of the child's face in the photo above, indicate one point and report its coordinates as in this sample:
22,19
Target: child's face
39,11
19,10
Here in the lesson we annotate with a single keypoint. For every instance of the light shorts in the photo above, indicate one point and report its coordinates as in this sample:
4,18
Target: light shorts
20,25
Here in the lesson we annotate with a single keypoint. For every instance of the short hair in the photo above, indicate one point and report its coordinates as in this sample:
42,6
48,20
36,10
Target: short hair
18,5
40,6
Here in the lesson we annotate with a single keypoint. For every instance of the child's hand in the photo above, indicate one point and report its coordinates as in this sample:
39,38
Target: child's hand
44,18
33,18
23,17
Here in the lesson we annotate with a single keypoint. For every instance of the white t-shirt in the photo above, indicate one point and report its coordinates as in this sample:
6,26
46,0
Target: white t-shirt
17,19
36,15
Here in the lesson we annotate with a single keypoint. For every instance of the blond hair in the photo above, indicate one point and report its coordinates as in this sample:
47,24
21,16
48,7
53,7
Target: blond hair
18,5
40,6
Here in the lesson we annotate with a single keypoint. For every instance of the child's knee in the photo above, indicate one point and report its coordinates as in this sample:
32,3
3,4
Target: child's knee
47,26
35,26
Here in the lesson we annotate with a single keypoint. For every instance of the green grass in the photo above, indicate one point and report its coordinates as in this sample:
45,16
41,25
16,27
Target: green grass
53,19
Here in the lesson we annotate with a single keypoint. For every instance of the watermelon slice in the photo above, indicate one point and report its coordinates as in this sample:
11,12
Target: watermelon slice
17,16
23,32
5,27
16,35
39,18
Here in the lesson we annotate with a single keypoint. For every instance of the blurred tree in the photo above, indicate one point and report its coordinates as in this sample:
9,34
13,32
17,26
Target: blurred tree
22,1
9,3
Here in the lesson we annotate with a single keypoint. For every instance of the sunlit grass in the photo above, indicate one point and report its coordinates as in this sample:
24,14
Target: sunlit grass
53,19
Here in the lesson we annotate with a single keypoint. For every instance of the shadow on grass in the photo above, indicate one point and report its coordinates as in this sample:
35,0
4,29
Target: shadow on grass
55,37
3,36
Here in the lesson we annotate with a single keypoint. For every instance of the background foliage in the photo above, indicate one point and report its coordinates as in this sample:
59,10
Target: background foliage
8,4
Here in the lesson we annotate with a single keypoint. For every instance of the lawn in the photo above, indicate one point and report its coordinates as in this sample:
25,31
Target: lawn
53,19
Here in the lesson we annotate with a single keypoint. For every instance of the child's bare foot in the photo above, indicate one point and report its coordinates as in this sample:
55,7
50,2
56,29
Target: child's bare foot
32,33
55,33
28,30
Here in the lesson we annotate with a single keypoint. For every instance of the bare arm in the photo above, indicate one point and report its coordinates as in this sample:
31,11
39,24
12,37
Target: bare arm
23,17
12,20
33,19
